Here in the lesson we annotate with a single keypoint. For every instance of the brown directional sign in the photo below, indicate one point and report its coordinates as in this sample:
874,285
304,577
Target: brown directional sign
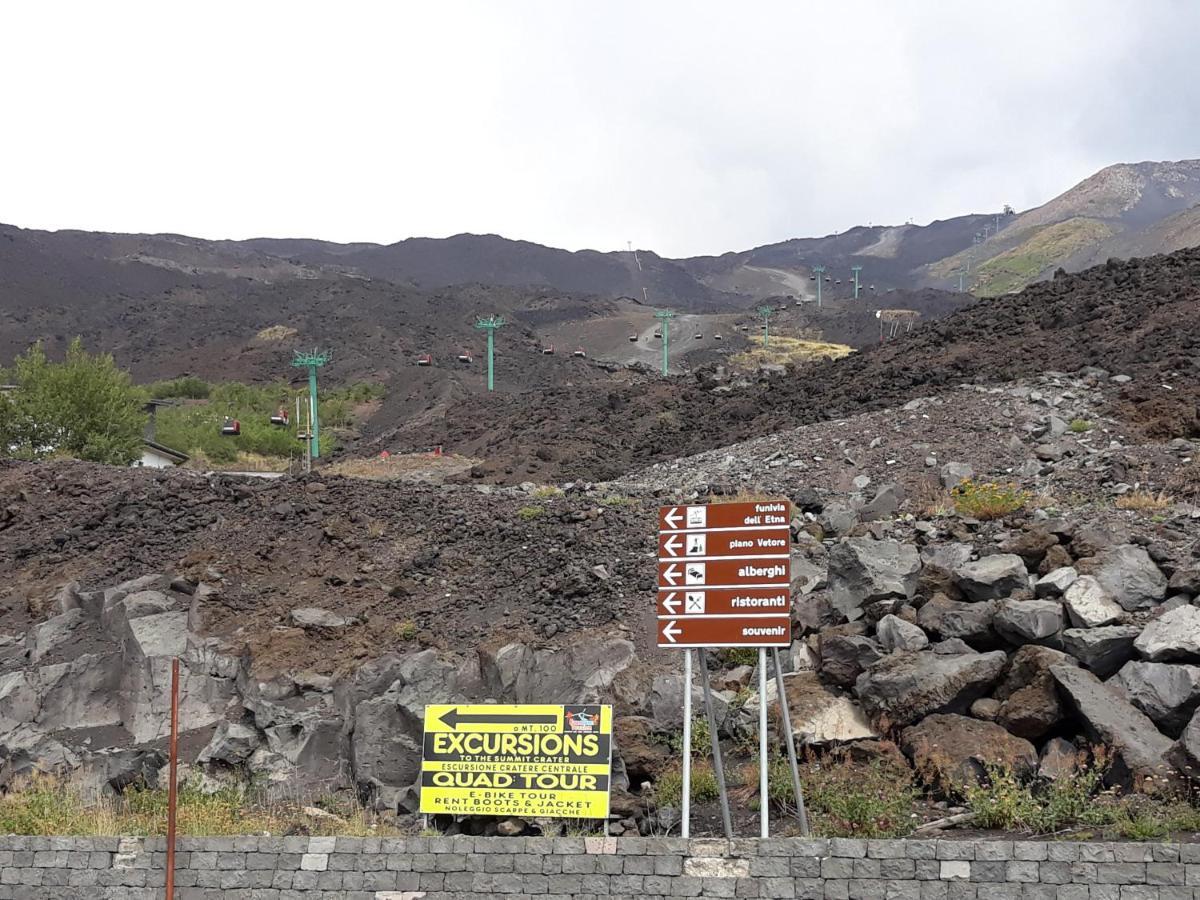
724,515
724,572
724,601
689,545
724,575
736,631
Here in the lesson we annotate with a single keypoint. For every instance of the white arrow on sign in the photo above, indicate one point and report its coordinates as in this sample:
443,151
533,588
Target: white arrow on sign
672,544
670,604
671,574
673,518
670,631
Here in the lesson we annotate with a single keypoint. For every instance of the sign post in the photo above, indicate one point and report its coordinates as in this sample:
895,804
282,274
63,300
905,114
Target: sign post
724,580
529,760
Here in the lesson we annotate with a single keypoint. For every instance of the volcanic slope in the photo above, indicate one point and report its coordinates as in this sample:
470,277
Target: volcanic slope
1134,318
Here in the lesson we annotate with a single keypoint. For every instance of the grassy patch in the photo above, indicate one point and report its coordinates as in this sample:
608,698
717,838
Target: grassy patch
785,350
668,790
1043,249
1080,426
45,806
546,491
988,499
846,799
276,333
529,513
406,631
1144,501
617,500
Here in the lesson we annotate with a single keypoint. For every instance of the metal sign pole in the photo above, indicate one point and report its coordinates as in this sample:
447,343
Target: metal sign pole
685,812
718,763
764,825
801,813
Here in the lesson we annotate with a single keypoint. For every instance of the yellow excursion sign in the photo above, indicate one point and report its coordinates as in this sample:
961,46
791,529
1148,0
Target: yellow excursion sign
527,760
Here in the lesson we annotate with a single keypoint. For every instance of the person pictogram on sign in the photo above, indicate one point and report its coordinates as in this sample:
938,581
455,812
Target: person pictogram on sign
696,544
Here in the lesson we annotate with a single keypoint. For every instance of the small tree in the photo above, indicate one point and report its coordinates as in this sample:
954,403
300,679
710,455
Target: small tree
83,407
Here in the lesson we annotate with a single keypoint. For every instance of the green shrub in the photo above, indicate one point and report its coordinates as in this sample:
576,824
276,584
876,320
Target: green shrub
987,499
82,407
848,800
188,387
668,789
1079,426
701,738
740,656
529,513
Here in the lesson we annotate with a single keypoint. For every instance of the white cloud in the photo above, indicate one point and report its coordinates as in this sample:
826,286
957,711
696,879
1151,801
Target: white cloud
687,127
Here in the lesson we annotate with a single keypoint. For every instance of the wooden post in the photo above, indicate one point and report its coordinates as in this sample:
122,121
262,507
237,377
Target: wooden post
174,769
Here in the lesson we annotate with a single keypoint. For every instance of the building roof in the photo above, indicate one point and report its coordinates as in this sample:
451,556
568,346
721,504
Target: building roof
163,450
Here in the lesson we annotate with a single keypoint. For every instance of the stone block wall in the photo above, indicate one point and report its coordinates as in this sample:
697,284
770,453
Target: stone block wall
441,868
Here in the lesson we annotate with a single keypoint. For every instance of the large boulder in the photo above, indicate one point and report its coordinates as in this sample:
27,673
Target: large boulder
895,633
1168,694
581,672
1130,576
844,656
948,619
84,693
1102,650
232,744
1031,545
641,747
1185,754
1029,701
821,716
1139,749
666,701
1173,635
385,750
902,688
1058,759
1028,621
1055,582
955,752
1089,604
992,577
862,570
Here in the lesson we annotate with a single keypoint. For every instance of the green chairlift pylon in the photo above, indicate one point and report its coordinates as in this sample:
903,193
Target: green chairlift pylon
819,271
312,360
766,312
856,270
664,317
490,324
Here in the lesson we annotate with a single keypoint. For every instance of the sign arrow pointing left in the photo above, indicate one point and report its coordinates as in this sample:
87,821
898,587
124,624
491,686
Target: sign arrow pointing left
670,631
672,544
453,718
673,518
671,574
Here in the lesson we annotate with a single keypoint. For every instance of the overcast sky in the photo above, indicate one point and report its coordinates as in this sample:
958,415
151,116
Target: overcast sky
686,127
